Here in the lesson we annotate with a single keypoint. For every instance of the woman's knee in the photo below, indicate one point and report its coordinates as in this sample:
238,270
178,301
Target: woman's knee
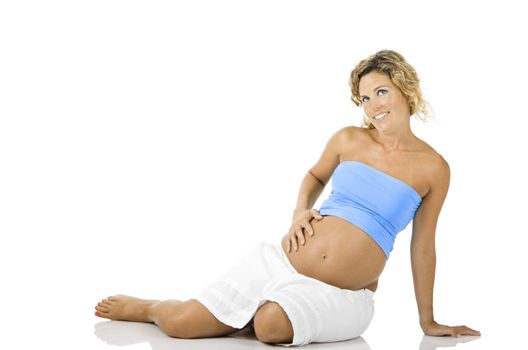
272,325
192,320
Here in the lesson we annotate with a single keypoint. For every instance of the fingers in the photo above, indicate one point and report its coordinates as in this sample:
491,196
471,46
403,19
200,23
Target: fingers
302,223
316,214
292,241
300,236
456,331
308,228
463,330
295,238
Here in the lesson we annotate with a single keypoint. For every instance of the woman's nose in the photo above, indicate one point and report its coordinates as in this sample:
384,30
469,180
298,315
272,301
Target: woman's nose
375,105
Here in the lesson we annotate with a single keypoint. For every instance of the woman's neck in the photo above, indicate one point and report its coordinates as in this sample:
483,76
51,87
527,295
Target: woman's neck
393,141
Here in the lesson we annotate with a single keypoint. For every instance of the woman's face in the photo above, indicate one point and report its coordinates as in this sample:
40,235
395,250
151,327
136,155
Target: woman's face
382,101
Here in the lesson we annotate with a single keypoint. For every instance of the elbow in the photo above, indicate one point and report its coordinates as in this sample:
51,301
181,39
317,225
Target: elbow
423,258
318,179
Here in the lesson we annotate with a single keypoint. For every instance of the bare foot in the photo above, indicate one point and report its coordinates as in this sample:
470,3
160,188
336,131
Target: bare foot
125,308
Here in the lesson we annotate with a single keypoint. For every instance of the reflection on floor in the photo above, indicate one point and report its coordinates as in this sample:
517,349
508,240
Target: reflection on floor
128,333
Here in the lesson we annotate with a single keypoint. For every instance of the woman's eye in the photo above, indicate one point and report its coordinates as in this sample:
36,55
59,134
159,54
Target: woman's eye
365,99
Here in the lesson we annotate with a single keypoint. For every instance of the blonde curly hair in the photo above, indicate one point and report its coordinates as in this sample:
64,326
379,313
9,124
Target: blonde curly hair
400,72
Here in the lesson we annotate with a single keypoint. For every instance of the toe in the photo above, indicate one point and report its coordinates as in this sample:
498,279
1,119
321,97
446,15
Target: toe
102,314
102,308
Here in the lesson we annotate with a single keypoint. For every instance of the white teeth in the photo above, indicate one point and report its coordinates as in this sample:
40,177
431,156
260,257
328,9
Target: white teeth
380,116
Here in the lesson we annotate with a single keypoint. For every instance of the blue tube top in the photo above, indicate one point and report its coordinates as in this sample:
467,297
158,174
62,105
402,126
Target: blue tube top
377,203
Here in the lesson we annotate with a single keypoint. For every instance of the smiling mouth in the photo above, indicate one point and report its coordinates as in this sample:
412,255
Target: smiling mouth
380,116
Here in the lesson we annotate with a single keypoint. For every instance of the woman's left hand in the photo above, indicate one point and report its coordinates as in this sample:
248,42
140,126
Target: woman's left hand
438,330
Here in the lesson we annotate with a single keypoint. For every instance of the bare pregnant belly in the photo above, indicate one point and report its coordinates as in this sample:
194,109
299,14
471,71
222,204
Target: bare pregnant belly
339,253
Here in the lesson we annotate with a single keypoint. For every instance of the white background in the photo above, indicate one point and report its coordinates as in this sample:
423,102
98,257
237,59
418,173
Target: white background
146,145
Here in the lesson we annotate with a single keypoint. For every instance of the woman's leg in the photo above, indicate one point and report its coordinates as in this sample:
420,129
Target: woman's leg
189,319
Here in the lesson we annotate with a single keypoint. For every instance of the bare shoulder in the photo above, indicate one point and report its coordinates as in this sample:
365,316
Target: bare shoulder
434,160
343,137
435,166
352,137
333,153
353,132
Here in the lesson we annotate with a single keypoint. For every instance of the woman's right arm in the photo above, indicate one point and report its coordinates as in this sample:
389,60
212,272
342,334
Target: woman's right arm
311,189
312,186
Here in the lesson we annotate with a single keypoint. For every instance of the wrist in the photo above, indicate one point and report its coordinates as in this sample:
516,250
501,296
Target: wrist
425,325
299,210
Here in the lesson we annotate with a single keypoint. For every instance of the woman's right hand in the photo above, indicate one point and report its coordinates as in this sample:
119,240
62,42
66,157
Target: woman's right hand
301,221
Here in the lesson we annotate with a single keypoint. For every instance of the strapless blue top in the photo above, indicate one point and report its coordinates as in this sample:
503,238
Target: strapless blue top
376,202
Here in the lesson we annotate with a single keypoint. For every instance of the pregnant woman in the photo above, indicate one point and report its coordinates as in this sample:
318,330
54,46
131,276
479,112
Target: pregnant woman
317,285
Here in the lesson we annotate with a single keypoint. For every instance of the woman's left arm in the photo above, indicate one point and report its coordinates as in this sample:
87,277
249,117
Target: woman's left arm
423,253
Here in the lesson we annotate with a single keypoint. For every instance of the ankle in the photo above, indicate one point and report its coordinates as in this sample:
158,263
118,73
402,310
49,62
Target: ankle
152,311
